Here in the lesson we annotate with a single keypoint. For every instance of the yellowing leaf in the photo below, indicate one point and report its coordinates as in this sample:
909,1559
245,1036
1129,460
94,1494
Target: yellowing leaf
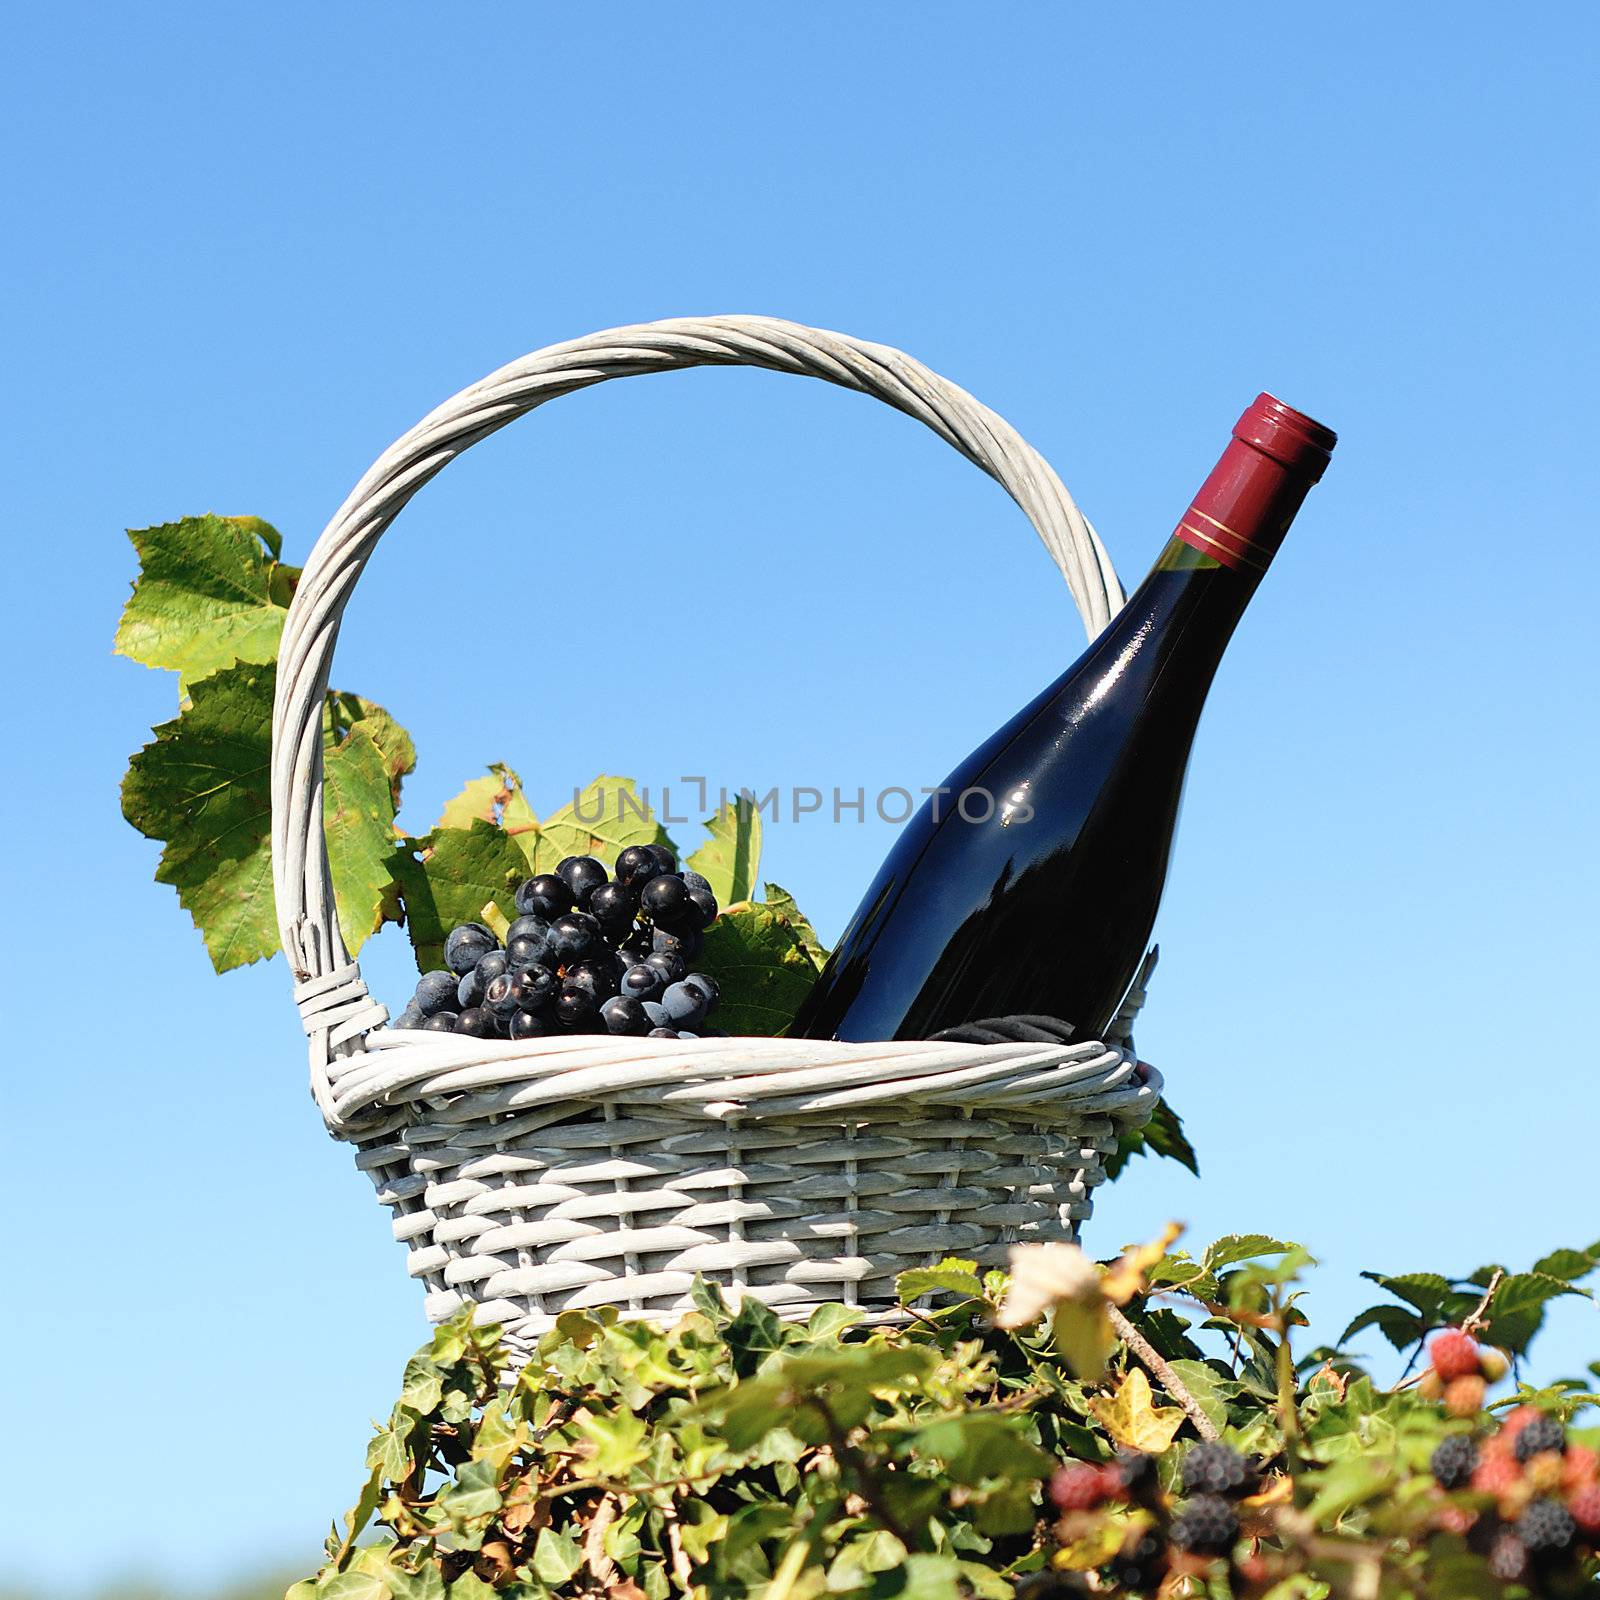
1084,1338
1126,1278
1132,1418
210,592
1092,1549
480,799
608,816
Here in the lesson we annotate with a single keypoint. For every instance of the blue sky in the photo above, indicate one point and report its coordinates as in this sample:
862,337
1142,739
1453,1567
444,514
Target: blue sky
244,251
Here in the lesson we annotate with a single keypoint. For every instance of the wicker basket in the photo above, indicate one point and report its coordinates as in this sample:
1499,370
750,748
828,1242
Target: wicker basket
536,1176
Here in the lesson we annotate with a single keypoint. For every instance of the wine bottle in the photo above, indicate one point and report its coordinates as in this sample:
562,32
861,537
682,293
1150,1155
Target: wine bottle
1028,883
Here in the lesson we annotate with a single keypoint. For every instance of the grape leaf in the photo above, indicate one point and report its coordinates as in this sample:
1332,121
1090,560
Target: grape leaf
783,903
482,798
344,711
762,968
604,819
448,877
210,592
729,859
358,816
203,788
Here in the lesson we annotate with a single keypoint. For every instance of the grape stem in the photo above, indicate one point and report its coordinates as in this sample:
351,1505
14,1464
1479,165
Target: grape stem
1152,1361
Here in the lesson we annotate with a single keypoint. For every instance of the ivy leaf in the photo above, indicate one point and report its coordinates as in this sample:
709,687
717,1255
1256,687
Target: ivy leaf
603,820
556,1556
950,1276
783,906
617,1441
762,968
729,859
448,877
1211,1390
981,1445
1132,1418
210,592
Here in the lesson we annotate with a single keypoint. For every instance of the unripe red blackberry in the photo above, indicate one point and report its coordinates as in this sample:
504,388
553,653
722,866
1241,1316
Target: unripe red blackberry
1454,1354
1463,1397
1508,1558
1585,1508
1078,1487
1207,1526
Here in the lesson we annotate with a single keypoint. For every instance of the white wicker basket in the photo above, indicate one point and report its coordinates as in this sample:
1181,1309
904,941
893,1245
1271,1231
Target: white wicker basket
536,1176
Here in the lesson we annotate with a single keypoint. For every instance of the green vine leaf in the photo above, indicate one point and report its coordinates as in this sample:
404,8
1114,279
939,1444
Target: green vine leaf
783,906
448,877
730,859
211,591
203,788
762,966
604,819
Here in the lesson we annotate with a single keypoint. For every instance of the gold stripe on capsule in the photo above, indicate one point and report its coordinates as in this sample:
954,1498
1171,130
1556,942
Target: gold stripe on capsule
1232,532
1216,544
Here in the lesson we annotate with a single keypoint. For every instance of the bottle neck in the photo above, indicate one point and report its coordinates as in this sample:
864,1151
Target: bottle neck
1244,508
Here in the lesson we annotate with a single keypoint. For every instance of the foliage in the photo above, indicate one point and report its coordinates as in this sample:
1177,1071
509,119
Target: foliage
209,604
734,1454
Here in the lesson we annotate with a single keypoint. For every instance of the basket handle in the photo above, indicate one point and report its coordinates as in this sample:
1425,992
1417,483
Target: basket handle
334,1003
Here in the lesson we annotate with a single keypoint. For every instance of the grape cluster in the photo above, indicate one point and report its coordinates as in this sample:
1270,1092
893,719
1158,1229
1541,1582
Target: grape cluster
590,952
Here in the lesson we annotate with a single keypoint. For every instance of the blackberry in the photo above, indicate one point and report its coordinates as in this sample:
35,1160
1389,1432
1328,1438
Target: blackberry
1538,1435
1454,1462
1508,1558
1140,1566
1546,1528
1207,1526
1212,1468
1136,1472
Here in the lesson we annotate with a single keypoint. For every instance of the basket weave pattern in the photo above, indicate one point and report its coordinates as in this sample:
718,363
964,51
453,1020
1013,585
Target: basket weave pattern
529,1177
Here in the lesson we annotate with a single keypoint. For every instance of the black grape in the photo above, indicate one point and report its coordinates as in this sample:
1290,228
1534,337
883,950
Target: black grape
576,936
467,946
636,866
664,900
662,1033
598,977
528,951
575,1006
614,908
477,1023
669,964
624,1016
682,943
664,857
528,1025
641,982
545,896
582,875
436,991
440,1022
500,998
684,1004
534,987
707,987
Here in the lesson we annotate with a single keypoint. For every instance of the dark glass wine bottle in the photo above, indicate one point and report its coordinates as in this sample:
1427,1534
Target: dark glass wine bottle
1029,882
